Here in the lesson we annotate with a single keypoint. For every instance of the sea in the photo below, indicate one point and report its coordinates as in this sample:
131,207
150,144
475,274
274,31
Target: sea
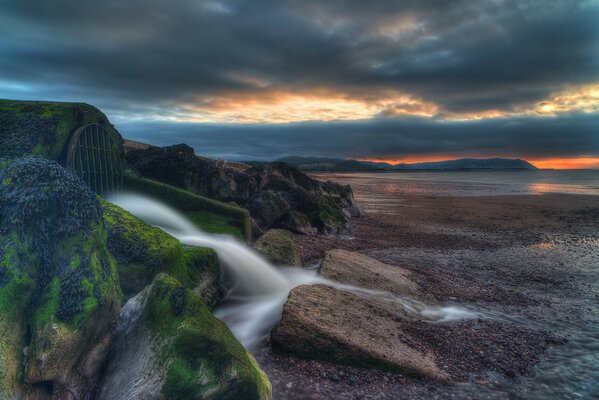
475,183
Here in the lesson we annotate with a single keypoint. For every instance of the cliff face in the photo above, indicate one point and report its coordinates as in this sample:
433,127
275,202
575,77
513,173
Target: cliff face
277,195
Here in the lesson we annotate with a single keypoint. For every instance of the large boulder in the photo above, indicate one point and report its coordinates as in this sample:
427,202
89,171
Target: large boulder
334,325
142,251
280,247
169,346
352,268
360,324
57,280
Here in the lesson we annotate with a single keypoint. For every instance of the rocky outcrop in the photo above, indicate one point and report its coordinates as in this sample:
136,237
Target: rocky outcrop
142,251
170,347
361,327
59,288
277,195
280,247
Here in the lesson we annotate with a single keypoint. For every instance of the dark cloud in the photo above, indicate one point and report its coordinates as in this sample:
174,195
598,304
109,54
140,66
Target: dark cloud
463,55
140,58
525,137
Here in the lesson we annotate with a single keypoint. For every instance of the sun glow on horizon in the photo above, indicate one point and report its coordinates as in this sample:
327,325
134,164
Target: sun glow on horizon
542,163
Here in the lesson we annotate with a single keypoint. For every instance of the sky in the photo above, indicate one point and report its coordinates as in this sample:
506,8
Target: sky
400,81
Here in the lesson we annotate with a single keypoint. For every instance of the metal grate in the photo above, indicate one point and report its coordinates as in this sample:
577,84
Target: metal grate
95,157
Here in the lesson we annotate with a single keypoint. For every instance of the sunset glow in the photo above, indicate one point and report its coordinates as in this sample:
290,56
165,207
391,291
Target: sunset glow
567,163
546,163
279,106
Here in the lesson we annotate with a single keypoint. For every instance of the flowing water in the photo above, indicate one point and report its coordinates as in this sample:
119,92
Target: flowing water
257,290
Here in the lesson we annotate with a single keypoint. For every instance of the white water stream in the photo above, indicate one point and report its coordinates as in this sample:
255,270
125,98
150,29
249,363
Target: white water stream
257,290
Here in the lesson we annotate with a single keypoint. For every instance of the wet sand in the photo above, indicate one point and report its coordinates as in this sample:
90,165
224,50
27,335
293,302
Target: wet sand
530,260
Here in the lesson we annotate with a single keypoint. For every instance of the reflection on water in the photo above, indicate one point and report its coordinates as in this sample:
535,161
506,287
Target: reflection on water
474,183
381,192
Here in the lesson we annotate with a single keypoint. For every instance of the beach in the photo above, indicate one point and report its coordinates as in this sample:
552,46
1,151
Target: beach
522,251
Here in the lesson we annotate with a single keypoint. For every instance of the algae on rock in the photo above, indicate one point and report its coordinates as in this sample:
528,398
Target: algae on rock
60,295
142,251
280,247
168,339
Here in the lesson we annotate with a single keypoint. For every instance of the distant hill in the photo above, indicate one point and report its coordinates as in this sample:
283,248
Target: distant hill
337,164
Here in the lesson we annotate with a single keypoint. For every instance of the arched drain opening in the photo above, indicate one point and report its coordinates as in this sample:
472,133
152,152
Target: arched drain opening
95,156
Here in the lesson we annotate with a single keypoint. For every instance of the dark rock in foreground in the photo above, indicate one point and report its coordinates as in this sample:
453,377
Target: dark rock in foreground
169,346
58,281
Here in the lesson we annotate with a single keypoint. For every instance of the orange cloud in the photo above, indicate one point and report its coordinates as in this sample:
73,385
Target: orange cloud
575,98
268,104
567,163
280,106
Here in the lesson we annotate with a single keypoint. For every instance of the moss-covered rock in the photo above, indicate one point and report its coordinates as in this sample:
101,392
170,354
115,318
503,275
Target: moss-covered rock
269,191
268,207
59,291
330,218
279,246
142,251
44,128
298,222
169,346
207,214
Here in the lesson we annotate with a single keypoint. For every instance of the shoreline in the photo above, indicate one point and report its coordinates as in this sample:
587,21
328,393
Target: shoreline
509,255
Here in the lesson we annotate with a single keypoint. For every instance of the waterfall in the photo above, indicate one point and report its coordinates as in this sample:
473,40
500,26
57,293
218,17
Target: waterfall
257,290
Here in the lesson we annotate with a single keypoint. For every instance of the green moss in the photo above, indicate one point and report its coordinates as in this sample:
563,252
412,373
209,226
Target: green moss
330,213
203,354
50,300
181,381
45,128
209,215
142,251
279,246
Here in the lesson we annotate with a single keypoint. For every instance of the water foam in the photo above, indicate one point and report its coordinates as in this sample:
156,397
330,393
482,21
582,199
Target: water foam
257,290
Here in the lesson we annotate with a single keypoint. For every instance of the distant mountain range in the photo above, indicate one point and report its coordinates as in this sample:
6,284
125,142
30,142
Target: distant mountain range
337,164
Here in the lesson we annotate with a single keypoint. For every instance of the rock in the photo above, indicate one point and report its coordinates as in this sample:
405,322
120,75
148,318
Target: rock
356,269
169,346
44,128
355,211
280,247
333,325
268,208
58,279
178,166
329,218
270,192
142,251
298,222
